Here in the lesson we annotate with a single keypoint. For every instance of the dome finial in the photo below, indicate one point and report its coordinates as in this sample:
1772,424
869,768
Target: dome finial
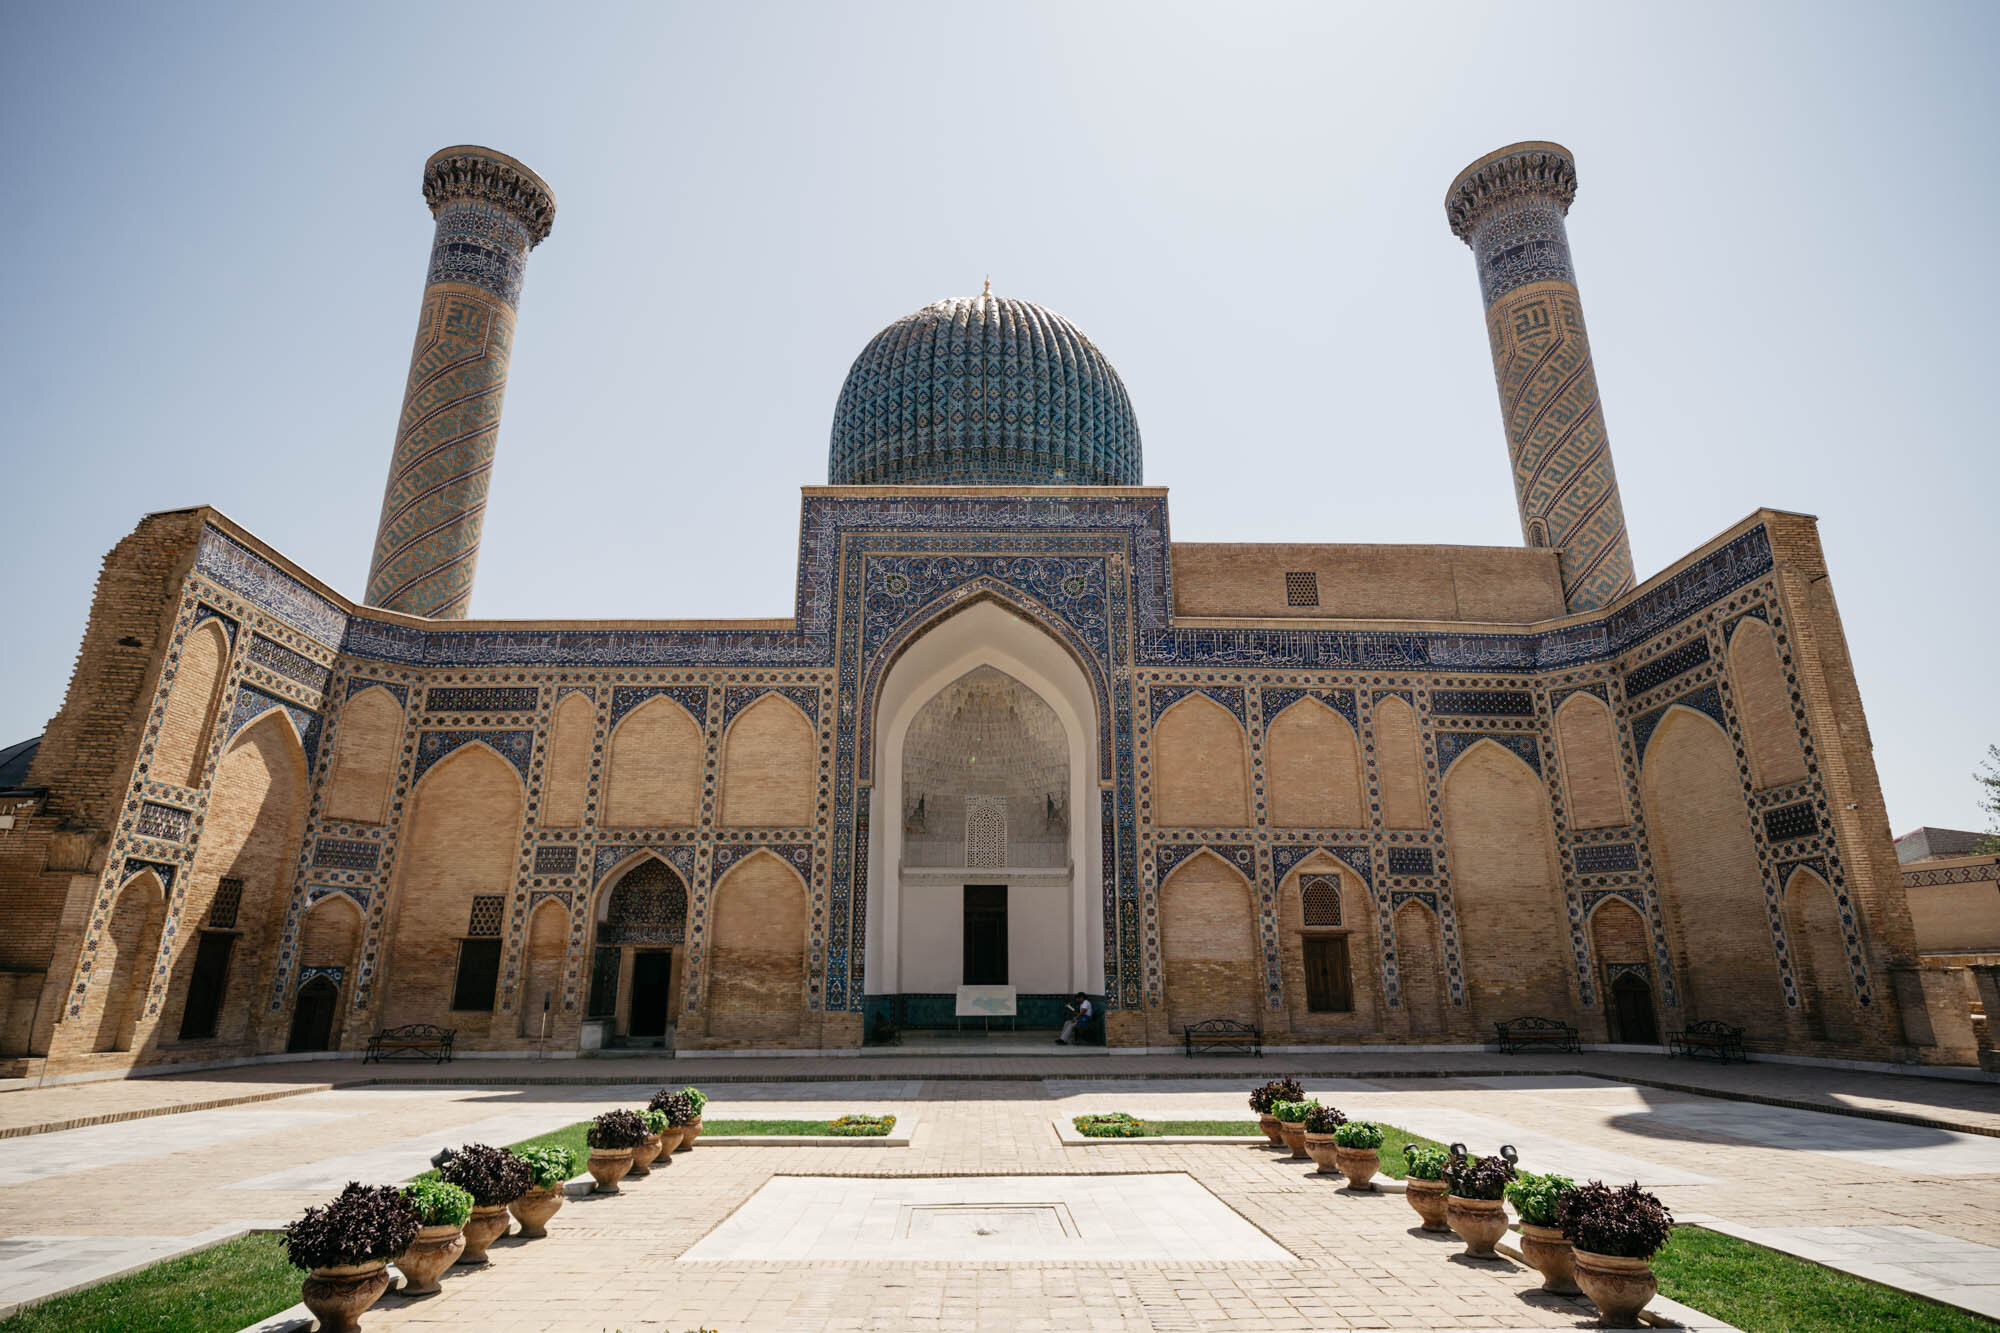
989,287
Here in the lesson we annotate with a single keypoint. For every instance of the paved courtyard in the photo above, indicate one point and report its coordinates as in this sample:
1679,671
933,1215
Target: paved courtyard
989,1219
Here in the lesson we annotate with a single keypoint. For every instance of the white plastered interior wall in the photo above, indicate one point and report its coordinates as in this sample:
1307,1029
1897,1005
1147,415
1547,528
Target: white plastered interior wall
923,953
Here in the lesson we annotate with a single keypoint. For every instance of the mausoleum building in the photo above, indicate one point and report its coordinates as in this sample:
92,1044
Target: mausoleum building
1012,734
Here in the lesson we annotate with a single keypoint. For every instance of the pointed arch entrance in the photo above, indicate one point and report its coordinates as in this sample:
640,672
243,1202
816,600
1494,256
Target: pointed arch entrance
1013,846
639,955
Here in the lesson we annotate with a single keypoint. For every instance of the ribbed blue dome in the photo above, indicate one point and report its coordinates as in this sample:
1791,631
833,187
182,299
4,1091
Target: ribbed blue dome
985,390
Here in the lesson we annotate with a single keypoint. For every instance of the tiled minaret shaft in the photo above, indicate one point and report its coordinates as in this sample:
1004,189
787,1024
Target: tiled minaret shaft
1509,207
490,212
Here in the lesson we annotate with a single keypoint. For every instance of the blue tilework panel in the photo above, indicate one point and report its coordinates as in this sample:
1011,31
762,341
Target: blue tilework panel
1607,858
1791,821
498,699
1488,703
1674,662
1411,861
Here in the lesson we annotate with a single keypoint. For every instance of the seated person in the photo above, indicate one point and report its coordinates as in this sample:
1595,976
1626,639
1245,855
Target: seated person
1078,1014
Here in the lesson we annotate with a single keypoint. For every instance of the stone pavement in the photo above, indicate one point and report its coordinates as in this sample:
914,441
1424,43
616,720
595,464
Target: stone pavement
1922,1204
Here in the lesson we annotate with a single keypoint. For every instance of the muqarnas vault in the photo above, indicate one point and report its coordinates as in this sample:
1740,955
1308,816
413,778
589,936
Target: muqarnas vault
1012,734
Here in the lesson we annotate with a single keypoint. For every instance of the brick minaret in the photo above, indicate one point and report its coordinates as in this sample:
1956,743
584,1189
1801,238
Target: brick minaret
490,212
1509,207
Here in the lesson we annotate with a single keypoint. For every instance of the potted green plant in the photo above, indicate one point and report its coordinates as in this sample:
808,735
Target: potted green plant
1320,1123
442,1209
494,1178
1475,1205
549,1169
1424,1184
1536,1201
700,1100
1264,1098
682,1114
1357,1150
612,1136
1292,1123
347,1245
651,1146
1615,1234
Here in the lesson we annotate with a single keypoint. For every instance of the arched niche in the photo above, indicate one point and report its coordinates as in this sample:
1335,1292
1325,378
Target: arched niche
653,779
1213,965
1420,967
1312,768
903,953
1587,745
181,751
1764,706
542,955
1819,958
364,757
1328,950
1712,887
1201,766
1506,887
458,847
755,985
123,969
768,768
567,782
1399,766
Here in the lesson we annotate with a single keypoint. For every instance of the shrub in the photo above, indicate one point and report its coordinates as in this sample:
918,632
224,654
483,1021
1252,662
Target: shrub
655,1121
1536,1198
1359,1135
1626,1222
1278,1090
616,1129
491,1175
1421,1163
862,1126
550,1166
1292,1113
678,1107
1479,1177
1323,1119
363,1223
696,1100
439,1203
1109,1125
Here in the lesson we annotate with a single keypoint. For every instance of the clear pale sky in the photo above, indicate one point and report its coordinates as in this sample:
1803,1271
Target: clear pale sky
215,244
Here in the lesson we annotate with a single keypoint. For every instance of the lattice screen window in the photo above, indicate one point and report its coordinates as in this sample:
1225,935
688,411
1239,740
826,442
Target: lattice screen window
485,923
1321,897
1301,588
985,831
228,901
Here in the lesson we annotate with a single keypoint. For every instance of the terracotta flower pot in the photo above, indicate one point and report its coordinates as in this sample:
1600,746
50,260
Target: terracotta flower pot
608,1166
1295,1136
1359,1165
337,1296
434,1250
1427,1197
534,1209
1619,1288
487,1224
693,1128
1477,1222
643,1155
1320,1147
670,1143
1548,1251
1272,1130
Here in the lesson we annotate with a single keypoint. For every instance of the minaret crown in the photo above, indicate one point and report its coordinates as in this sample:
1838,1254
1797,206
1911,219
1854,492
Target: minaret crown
469,172
1518,170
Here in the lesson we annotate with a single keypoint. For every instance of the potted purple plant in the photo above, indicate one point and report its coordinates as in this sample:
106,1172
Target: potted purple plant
1476,1207
682,1116
1264,1098
612,1136
1320,1124
494,1178
347,1245
1615,1234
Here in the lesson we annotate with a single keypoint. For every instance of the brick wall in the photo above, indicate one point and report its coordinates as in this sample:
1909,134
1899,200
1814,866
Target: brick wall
1495,584
768,773
757,967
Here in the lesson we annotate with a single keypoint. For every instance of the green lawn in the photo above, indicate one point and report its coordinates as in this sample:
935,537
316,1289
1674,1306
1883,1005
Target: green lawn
216,1291
1393,1138
1762,1291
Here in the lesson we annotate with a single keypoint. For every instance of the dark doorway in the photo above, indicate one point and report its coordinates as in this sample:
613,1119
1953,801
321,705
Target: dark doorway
652,979
1329,980
1632,1005
985,935
312,1016
211,979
